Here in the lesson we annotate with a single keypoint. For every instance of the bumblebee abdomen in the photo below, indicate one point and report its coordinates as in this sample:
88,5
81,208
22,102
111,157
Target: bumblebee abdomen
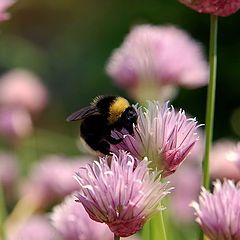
94,130
94,126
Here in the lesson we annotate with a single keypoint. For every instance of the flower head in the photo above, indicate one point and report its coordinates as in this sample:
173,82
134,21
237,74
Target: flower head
121,192
24,89
51,179
218,212
4,5
162,135
155,58
225,160
15,123
217,7
35,228
234,154
73,223
187,179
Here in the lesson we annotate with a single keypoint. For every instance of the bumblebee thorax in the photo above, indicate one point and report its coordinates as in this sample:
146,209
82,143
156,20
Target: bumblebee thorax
116,108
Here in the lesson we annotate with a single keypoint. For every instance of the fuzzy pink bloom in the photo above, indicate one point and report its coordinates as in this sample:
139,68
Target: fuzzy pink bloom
73,223
23,88
187,179
35,228
215,7
4,5
234,155
218,213
224,160
52,179
162,135
121,192
15,123
156,57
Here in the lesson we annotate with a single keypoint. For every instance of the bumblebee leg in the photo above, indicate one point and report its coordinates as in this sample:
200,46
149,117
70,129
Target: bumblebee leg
104,147
98,145
113,140
129,129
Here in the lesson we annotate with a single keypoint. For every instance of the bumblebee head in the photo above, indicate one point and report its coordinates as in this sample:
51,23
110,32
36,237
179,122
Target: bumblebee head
116,108
128,118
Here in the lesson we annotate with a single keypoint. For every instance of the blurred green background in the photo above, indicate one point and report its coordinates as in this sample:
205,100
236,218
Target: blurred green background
67,43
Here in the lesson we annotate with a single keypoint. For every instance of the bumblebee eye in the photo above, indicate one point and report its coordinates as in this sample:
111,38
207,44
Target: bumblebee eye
131,115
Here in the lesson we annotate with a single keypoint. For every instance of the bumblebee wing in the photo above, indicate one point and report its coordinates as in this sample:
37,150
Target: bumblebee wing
82,113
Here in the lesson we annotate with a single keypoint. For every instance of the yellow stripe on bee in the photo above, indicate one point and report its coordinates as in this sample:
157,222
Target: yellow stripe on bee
117,108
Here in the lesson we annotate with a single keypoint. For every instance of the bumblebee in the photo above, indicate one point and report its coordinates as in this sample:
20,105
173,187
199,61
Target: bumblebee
103,115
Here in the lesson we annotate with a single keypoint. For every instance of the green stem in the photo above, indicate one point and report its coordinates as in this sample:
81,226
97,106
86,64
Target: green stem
210,99
201,235
3,214
116,238
157,227
152,232
146,231
162,226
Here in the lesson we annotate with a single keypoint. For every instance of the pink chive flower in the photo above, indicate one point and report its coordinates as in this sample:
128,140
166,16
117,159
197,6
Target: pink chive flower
225,160
23,89
51,179
162,135
218,212
15,123
234,155
216,7
187,179
37,227
121,192
154,59
4,5
73,223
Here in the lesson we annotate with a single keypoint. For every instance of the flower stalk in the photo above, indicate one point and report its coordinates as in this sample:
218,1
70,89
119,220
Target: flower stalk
210,101
162,226
116,237
210,98
146,231
157,227
3,214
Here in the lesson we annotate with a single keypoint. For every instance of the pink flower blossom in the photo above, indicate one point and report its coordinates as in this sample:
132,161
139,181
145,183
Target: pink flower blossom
73,223
162,135
23,89
121,192
224,160
216,7
15,123
154,59
187,179
234,155
35,228
52,179
4,5
218,213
